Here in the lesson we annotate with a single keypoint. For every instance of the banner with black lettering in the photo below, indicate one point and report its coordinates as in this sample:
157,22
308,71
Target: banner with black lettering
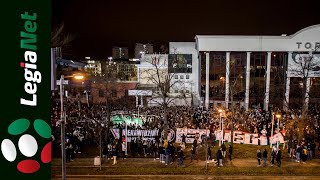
241,137
134,134
191,134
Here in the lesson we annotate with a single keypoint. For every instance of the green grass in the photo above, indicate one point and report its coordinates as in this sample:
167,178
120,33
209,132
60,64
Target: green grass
240,152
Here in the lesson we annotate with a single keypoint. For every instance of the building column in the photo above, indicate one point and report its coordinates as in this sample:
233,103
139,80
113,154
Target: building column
246,101
308,86
138,73
137,101
287,95
141,101
267,92
227,79
207,80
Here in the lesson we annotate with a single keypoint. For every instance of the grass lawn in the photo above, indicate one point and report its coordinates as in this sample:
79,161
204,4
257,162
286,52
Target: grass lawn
244,163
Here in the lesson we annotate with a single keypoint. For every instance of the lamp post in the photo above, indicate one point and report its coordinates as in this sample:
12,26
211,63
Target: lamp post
87,97
220,126
272,124
63,128
278,117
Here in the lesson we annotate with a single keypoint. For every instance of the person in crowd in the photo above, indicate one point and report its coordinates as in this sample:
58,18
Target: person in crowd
193,153
278,157
265,157
172,152
298,153
219,158
145,148
259,157
161,152
114,153
181,157
273,156
124,149
209,153
223,149
68,147
304,154
183,138
313,149
230,152
309,151
167,154
154,148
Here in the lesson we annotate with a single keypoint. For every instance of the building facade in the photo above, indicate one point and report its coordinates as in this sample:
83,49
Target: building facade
142,49
260,70
120,53
265,71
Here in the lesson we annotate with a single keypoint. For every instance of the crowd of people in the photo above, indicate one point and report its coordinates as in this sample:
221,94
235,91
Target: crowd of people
84,123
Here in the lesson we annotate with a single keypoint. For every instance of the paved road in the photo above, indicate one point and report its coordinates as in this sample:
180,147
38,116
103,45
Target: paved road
184,177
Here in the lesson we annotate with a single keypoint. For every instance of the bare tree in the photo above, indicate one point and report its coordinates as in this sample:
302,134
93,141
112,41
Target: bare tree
304,66
163,83
109,83
59,38
235,113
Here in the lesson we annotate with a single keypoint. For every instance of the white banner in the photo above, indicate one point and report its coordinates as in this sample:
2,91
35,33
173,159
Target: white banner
241,137
191,134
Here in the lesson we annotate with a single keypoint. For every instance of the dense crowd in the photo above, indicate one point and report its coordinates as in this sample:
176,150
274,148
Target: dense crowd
84,124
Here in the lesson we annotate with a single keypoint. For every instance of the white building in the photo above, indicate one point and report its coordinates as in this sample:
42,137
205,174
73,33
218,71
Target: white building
265,57
250,70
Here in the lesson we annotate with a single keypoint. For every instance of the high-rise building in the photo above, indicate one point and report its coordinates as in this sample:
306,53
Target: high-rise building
120,53
142,49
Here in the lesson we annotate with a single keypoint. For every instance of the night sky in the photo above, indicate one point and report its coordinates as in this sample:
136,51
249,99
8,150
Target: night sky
98,25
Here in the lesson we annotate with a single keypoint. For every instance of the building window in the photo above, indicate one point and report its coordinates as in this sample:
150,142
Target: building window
101,93
181,91
187,91
175,91
176,76
187,76
181,77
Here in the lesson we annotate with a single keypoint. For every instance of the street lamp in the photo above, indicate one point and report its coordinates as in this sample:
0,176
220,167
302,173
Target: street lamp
63,121
220,126
272,123
278,116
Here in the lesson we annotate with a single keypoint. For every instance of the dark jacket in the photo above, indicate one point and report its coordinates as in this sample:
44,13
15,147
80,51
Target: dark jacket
259,155
219,154
223,147
278,155
181,155
230,150
265,154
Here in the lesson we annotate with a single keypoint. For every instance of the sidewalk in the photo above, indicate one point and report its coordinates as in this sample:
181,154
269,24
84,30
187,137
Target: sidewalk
150,162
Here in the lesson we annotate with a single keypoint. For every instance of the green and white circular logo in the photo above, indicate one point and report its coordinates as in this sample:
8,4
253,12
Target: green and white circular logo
27,144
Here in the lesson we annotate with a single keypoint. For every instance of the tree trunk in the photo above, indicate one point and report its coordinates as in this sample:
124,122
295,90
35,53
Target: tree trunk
165,122
232,117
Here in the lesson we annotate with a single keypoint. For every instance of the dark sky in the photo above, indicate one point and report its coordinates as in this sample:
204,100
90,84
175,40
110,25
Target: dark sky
98,25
